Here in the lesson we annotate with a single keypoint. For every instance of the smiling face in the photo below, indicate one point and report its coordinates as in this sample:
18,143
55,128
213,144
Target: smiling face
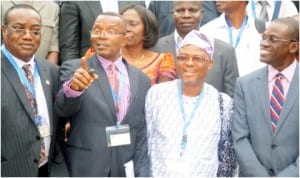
22,44
279,51
187,16
108,36
193,72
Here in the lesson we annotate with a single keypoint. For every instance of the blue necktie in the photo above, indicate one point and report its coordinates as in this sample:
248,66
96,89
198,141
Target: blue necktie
277,100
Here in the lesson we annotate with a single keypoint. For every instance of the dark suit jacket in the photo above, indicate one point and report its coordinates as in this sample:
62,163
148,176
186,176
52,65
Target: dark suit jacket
20,137
260,151
91,112
76,22
224,71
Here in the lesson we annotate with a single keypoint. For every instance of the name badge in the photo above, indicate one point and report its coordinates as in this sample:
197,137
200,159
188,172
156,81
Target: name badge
118,135
44,131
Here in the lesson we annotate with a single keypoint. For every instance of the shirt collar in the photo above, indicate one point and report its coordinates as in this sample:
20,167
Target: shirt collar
287,72
106,62
21,63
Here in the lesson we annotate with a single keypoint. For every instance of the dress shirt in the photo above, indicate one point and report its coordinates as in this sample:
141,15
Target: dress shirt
125,94
110,5
247,50
286,81
41,102
287,9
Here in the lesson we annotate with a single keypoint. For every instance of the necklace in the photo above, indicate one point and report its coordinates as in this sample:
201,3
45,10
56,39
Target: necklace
136,61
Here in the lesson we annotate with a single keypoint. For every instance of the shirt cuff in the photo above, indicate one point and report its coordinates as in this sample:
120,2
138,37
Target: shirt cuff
69,92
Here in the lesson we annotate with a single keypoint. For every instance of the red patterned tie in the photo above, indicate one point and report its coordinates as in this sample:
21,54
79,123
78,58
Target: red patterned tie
32,101
277,100
114,82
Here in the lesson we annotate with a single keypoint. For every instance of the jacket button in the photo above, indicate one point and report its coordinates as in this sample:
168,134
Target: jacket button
36,161
271,172
38,137
273,146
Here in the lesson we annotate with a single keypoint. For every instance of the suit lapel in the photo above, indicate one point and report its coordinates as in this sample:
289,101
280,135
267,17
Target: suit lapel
133,80
14,80
291,98
103,82
171,44
47,88
263,95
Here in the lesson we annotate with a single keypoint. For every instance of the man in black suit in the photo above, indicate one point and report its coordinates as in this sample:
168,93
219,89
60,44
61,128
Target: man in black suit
76,21
108,129
28,89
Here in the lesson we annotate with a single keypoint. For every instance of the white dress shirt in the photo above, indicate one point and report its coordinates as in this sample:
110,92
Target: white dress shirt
287,8
41,103
247,50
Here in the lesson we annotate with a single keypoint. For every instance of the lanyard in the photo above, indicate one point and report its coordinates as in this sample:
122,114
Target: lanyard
275,13
24,80
238,38
116,96
191,117
20,72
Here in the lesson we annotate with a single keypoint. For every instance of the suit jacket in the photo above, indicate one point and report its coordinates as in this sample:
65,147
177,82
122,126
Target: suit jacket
87,150
76,22
20,137
49,12
224,71
259,151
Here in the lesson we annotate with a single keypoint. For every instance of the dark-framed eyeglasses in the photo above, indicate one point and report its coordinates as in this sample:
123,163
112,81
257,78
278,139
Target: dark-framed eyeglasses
197,59
273,39
23,31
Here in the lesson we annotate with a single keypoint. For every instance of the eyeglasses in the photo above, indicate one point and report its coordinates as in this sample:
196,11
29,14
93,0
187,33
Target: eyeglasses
23,31
273,39
108,33
182,11
197,59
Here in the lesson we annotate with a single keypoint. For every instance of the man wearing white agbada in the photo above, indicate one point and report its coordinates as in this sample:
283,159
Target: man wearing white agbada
188,120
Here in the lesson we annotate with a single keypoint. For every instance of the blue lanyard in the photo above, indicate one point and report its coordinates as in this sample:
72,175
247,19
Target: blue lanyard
24,80
121,87
238,38
275,13
186,122
21,72
253,9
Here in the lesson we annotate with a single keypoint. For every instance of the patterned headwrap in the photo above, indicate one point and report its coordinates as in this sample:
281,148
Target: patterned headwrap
197,38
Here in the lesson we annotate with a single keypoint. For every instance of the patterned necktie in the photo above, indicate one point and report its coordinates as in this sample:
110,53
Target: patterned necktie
263,12
114,83
277,100
32,101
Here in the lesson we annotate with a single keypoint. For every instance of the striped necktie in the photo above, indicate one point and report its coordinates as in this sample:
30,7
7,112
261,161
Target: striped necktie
277,100
33,103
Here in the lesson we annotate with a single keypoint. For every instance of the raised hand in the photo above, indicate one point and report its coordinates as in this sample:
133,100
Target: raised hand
83,77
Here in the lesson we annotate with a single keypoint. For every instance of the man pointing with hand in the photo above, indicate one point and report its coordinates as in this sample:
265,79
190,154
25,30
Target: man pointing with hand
104,96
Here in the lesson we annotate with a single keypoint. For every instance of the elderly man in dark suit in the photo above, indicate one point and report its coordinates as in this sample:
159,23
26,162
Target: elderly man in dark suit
187,16
28,89
106,107
76,21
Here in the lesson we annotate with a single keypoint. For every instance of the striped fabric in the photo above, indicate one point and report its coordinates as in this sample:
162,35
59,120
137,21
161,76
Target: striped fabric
277,100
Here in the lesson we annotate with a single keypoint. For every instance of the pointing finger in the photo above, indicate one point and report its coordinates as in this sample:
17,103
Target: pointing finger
84,63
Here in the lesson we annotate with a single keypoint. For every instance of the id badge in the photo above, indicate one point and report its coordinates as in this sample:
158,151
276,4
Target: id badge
117,136
44,131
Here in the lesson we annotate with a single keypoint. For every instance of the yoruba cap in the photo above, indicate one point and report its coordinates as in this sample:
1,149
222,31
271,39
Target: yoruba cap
195,37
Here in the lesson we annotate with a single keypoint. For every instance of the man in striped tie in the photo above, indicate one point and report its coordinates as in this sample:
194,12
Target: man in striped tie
266,116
